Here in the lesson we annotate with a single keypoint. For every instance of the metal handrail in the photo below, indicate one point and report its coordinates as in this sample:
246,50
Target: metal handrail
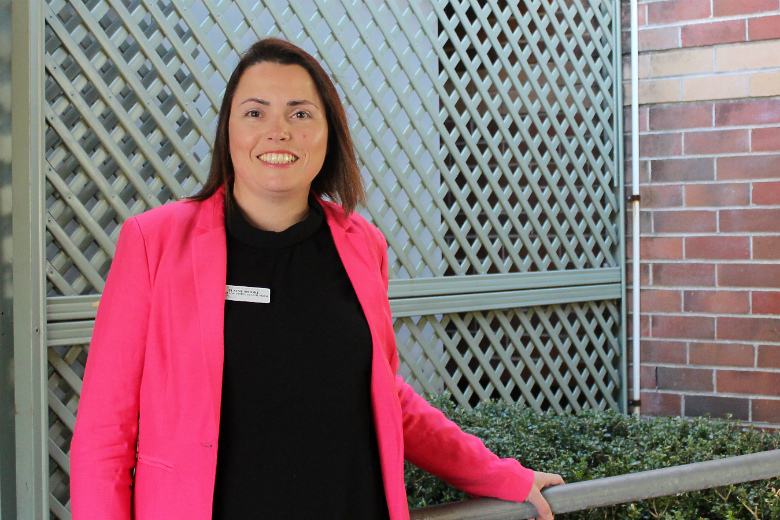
616,490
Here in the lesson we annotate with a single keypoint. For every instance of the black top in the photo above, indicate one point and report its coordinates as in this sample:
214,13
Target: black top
296,437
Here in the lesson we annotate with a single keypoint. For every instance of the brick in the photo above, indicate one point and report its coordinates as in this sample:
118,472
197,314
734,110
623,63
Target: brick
747,112
682,327
749,329
748,382
661,300
644,118
657,403
768,356
717,195
765,140
655,91
659,39
717,247
764,84
747,167
717,302
766,302
732,7
644,66
683,275
683,169
666,248
732,408
765,410
722,354
718,86
716,142
647,377
766,193
749,275
682,62
677,10
686,221
758,219
713,33
679,116
753,55
665,352
654,196
660,145
644,325
766,247
690,379
763,28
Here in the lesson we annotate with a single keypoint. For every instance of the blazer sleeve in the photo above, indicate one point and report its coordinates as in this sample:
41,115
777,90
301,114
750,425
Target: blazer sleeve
103,449
437,445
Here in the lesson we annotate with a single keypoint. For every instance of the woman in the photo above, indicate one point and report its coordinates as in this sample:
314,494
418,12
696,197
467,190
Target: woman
243,358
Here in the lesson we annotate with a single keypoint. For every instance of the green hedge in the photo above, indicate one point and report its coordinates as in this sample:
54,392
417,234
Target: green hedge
595,444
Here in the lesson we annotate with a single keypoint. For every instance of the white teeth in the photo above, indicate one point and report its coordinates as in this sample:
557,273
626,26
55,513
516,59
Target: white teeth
278,158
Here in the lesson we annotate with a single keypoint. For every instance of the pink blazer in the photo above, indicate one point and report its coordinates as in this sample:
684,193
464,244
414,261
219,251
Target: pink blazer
145,443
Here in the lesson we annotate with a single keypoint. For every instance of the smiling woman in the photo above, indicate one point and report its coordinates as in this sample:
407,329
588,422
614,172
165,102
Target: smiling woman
243,362
278,139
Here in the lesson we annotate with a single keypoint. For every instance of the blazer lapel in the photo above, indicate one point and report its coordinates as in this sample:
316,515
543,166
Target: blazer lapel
209,256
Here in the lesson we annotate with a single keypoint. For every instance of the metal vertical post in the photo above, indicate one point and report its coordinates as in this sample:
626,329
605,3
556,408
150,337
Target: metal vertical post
636,285
620,173
28,260
7,442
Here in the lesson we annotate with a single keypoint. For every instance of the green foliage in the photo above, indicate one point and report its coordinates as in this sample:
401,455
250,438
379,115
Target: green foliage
596,444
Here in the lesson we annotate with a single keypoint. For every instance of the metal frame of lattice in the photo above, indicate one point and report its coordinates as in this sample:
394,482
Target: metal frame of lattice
489,137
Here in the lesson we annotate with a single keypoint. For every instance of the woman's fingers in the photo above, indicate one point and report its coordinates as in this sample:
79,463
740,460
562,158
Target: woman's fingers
541,481
542,507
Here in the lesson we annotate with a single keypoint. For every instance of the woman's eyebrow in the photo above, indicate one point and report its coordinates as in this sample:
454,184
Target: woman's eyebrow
293,103
298,102
255,100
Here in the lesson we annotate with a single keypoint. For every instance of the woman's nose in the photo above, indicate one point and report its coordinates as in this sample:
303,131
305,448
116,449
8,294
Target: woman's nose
278,130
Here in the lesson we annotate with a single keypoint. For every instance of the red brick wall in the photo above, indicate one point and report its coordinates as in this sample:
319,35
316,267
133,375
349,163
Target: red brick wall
709,90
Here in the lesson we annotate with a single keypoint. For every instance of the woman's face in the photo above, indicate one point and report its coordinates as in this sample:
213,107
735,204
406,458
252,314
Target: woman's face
278,134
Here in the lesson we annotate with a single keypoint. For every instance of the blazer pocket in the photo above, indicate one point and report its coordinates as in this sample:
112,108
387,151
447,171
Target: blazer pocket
155,463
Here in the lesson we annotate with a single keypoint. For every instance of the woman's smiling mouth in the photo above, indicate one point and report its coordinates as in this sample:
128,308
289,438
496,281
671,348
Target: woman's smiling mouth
278,158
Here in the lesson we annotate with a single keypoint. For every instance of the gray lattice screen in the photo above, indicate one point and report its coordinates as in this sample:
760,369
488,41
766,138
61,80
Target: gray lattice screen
486,132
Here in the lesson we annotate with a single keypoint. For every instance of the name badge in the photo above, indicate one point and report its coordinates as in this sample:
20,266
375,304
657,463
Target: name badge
242,293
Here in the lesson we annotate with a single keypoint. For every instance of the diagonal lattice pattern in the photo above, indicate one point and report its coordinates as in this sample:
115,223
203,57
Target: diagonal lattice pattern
560,358
66,370
486,132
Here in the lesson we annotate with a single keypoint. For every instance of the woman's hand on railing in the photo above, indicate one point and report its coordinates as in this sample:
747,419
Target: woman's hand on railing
541,481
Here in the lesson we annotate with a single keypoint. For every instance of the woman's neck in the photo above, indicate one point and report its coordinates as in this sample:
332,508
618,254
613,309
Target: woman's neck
274,215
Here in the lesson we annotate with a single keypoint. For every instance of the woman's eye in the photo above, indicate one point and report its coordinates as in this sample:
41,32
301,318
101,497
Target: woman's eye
253,113
301,114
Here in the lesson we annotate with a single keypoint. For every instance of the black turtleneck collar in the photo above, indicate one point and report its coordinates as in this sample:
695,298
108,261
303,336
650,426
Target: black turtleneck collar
239,228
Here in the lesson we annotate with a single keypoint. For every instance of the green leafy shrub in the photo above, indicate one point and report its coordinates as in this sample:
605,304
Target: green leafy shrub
596,444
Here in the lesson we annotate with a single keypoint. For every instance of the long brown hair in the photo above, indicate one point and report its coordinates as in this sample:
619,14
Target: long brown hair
339,179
